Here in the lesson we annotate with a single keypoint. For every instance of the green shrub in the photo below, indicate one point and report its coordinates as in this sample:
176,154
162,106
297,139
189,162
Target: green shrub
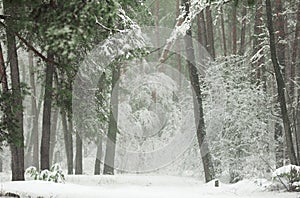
55,174
289,176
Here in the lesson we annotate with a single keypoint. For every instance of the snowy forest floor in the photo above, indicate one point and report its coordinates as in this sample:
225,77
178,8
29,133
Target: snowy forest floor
136,186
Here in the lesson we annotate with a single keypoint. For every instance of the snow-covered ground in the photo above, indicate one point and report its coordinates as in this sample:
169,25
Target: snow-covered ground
137,186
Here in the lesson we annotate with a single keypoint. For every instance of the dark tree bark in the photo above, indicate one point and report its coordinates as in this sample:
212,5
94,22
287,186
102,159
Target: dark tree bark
280,86
198,108
210,32
16,132
97,169
78,157
112,128
46,125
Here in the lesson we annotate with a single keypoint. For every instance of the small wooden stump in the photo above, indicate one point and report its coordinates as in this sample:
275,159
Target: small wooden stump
217,184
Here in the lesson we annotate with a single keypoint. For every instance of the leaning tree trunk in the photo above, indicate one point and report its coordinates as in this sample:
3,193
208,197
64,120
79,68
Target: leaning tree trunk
280,87
46,125
16,132
198,108
109,160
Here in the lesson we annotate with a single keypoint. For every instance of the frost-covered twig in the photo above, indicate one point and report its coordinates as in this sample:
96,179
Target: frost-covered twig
106,28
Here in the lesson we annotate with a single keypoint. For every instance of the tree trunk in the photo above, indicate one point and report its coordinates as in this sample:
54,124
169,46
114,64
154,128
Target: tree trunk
295,55
53,133
1,164
97,169
178,47
46,125
295,50
4,85
243,31
223,32
68,141
71,131
16,132
281,49
35,115
157,8
78,157
281,60
202,36
234,32
17,144
280,87
3,79
198,108
257,44
279,148
210,32
112,128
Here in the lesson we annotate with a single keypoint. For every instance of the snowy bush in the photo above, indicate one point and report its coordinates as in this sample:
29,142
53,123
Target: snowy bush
32,172
55,174
289,176
237,116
